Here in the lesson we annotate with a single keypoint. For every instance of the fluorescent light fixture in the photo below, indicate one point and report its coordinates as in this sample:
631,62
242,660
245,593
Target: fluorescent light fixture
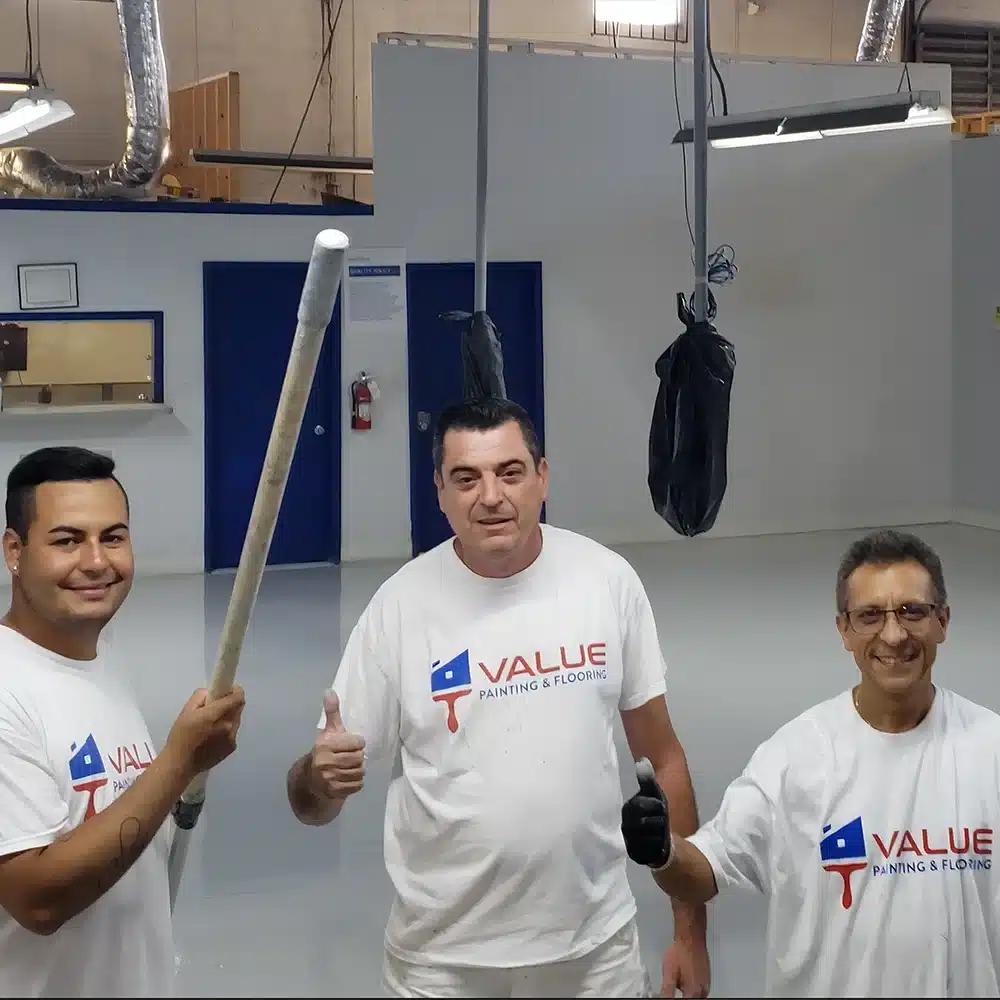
29,114
909,109
651,12
16,83
314,163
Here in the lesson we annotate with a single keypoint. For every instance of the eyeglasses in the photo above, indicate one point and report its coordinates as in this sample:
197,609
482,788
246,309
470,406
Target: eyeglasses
912,617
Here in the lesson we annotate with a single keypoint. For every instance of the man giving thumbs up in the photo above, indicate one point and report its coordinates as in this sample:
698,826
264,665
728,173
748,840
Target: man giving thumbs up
322,780
491,672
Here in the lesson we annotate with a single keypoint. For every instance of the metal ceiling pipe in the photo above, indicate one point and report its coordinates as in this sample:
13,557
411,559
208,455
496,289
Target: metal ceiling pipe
701,82
878,36
30,173
482,153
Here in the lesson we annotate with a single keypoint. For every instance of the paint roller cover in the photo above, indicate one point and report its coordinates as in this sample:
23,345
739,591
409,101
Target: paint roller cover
326,266
689,435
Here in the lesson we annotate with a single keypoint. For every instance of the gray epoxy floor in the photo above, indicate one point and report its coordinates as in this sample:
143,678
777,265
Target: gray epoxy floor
271,908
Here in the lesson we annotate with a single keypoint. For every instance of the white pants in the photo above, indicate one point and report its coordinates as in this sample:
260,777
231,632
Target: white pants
613,969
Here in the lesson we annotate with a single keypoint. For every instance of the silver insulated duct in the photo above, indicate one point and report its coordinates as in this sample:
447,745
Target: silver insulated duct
30,173
878,37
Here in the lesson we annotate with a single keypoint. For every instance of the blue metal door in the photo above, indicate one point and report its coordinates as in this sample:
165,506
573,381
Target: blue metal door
250,319
514,302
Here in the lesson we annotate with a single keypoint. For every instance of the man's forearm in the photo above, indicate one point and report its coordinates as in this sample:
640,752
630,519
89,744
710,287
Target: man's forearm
307,804
690,917
688,880
72,873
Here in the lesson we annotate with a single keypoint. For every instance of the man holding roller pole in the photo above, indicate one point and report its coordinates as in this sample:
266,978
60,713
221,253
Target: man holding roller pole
84,798
870,820
492,669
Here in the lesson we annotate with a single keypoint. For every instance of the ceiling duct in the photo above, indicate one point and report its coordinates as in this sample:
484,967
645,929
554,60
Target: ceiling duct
30,173
878,36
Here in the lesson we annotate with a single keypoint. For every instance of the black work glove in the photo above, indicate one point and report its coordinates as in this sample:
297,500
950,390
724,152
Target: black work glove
646,820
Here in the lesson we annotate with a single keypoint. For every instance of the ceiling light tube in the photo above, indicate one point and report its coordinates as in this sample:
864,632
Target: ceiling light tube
917,118
777,139
16,83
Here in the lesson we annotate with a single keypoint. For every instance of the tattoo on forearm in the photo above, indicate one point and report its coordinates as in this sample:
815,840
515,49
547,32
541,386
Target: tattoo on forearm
132,841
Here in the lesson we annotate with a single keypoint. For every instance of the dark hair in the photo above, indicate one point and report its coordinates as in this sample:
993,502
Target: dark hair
64,464
887,548
484,415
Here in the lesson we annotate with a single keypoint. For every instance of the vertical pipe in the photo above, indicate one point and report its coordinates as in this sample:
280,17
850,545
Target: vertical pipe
700,160
482,149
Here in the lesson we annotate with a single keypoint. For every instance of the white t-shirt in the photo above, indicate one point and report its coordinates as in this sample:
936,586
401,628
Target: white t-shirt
503,821
876,851
71,741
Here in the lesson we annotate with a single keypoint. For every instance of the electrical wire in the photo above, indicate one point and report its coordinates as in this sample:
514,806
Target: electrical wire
711,59
29,55
684,162
37,71
305,114
326,8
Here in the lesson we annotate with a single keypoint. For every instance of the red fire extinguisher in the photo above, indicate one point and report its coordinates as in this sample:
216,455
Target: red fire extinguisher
361,404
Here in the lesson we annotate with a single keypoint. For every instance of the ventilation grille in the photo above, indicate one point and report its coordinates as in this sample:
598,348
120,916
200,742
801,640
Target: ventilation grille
973,53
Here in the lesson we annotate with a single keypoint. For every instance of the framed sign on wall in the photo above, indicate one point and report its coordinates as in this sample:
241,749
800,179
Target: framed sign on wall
47,286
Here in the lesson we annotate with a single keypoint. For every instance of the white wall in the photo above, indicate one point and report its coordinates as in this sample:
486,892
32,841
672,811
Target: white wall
976,456
840,314
146,261
845,256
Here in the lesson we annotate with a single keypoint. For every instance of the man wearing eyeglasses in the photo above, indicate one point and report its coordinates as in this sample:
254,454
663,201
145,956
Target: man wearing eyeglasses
871,820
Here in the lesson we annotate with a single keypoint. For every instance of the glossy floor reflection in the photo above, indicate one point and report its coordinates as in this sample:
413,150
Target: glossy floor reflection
271,908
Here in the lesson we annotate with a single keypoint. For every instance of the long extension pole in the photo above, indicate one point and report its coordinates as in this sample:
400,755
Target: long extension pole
316,305
482,151
700,160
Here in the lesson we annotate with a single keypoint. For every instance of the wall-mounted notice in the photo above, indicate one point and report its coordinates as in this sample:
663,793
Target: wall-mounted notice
376,290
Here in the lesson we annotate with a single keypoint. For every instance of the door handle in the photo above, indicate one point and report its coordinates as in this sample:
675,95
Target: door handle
319,429
423,419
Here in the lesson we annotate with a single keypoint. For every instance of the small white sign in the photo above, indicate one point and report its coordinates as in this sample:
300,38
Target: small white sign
376,290
47,286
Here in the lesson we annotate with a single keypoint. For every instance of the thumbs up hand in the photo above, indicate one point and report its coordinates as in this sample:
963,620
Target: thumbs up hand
338,759
646,821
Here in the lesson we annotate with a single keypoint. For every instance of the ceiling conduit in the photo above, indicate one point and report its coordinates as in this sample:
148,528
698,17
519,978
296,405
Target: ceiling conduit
30,173
878,36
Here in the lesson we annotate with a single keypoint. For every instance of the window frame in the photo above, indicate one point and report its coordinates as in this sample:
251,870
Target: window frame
644,32
29,316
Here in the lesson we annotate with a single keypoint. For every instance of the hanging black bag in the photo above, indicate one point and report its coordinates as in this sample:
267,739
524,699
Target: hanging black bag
482,355
689,435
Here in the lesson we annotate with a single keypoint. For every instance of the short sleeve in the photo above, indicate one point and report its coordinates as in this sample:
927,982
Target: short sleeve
644,671
33,812
738,840
366,684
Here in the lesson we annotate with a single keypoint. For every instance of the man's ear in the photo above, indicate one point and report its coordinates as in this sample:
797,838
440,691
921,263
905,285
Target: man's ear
12,549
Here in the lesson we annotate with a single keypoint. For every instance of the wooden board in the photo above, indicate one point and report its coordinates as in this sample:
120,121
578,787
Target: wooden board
205,115
976,124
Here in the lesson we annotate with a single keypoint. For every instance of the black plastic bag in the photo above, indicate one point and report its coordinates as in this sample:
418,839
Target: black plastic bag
689,436
482,356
